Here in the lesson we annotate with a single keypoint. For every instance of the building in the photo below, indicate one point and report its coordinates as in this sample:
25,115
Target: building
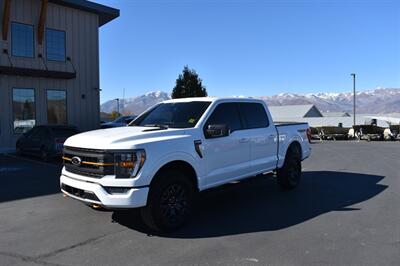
290,111
310,114
336,114
49,64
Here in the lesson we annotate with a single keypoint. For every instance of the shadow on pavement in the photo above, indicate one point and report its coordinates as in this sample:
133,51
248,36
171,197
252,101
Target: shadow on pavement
258,204
24,178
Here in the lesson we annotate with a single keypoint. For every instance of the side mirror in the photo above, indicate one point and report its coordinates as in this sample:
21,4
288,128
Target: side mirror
217,131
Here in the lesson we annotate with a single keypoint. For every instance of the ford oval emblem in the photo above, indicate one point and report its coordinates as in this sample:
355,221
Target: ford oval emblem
76,161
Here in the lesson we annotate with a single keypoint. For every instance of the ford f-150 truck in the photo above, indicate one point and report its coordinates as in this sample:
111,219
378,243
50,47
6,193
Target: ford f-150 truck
162,159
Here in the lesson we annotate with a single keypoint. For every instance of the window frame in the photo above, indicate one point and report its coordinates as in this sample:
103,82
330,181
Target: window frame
245,126
206,123
12,108
33,40
65,45
66,106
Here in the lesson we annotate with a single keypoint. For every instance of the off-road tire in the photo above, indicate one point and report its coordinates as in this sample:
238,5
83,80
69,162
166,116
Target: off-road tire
170,193
290,174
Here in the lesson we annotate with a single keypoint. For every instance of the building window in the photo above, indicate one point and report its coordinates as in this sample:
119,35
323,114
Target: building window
56,107
24,112
22,40
55,45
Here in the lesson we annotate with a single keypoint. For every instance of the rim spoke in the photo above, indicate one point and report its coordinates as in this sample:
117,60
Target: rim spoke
173,202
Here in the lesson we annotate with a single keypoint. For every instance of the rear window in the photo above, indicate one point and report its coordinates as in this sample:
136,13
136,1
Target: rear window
63,132
254,115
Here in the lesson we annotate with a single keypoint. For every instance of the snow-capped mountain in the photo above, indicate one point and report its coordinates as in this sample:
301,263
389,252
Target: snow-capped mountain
135,105
378,101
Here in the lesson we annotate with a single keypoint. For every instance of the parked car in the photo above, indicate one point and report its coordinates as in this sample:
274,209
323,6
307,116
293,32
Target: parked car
180,147
119,122
45,141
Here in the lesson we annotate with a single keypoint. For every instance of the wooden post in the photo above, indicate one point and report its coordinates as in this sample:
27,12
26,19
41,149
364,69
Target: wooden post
42,21
6,18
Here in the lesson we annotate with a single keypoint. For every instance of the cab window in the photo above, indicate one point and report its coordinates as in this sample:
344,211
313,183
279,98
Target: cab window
226,114
254,115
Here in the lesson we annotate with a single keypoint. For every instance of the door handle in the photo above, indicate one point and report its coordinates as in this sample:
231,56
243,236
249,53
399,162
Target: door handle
243,140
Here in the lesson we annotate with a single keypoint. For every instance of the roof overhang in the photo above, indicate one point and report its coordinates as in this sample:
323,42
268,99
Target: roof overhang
106,14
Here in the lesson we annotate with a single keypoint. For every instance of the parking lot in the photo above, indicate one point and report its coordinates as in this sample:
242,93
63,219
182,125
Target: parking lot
346,211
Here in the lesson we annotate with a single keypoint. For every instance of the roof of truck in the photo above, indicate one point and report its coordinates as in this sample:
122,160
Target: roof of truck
214,99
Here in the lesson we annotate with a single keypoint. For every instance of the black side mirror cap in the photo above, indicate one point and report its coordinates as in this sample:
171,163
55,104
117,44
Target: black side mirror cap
217,131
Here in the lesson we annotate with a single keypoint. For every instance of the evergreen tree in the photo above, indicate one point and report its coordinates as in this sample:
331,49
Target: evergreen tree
188,85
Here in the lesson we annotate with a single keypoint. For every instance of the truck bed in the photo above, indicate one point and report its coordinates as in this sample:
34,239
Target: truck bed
287,132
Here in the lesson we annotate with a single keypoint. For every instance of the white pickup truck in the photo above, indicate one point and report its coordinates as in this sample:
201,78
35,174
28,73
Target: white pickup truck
177,148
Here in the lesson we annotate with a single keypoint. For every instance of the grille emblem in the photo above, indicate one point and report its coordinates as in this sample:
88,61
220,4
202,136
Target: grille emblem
76,161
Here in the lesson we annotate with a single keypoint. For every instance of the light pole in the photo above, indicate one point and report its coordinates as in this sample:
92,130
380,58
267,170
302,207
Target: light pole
354,98
117,99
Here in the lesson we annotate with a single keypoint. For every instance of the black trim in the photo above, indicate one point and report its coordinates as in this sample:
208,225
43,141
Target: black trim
197,144
283,124
80,193
31,72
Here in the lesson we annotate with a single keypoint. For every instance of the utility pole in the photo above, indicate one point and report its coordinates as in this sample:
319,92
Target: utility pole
123,101
117,99
354,98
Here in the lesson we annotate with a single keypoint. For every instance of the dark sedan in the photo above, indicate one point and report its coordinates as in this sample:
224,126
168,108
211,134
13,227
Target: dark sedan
45,141
119,122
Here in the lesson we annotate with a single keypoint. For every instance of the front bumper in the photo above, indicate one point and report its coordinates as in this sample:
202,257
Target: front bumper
94,193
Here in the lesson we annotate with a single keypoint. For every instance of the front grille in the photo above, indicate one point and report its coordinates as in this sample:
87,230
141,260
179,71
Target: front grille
80,193
94,163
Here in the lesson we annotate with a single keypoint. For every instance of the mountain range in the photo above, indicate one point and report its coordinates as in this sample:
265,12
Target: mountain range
377,101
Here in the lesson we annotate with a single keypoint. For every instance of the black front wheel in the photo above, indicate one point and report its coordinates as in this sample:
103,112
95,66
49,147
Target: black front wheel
169,203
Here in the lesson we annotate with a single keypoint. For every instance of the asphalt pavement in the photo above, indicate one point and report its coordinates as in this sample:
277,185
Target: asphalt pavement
345,212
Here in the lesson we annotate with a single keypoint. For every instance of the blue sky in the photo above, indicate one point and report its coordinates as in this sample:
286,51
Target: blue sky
250,48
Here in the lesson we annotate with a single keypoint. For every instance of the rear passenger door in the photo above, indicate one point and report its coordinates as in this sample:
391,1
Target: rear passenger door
262,134
226,158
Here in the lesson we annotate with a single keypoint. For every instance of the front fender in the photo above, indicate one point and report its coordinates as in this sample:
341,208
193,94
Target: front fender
145,178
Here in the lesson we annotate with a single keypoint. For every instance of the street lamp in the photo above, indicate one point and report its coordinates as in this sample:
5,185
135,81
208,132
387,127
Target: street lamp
354,98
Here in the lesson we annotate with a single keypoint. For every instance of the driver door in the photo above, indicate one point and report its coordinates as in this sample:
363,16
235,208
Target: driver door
226,158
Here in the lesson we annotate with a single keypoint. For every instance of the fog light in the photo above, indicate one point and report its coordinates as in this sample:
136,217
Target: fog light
117,190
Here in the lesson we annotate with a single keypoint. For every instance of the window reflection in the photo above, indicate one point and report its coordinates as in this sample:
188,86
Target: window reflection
24,112
56,107
55,45
21,40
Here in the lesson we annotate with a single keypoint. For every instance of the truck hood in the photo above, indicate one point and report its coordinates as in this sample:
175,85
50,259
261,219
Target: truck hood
122,137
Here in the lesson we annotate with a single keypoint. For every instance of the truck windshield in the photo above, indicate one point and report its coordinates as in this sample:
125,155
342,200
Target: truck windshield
173,115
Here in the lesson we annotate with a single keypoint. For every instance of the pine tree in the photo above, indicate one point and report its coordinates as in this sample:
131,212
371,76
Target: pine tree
188,85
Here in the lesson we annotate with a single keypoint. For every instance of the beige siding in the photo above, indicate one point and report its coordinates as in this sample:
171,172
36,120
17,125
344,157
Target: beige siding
81,46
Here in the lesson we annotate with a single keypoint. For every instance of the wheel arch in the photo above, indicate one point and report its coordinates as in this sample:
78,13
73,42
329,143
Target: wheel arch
181,165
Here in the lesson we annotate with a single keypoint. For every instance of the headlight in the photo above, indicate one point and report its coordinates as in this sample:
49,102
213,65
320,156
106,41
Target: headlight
128,164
